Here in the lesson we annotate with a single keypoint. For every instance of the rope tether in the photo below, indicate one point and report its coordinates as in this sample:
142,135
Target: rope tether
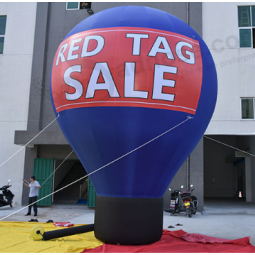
27,143
58,166
229,146
188,118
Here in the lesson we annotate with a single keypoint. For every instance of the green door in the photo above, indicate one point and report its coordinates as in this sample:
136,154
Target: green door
43,168
91,195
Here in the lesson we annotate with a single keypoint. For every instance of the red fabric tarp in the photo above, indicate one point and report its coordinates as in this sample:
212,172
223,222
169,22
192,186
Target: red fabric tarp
182,242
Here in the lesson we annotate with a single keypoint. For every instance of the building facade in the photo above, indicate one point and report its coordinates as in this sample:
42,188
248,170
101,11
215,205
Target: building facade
227,172
212,168
17,29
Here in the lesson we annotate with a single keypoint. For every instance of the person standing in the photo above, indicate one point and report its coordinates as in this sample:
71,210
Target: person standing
33,194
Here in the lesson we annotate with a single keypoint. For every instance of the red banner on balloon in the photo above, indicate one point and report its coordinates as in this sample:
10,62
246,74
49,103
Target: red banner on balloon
126,66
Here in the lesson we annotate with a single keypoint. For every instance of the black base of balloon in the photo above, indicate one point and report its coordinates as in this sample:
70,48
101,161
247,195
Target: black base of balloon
128,221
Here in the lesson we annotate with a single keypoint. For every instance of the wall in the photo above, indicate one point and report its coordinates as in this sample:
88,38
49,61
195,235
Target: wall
222,168
235,68
15,75
219,171
55,151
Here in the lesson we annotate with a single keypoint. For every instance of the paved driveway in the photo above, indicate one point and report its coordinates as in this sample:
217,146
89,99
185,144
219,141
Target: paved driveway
221,218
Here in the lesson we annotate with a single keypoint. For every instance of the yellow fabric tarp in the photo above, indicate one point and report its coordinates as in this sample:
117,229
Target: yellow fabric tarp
15,238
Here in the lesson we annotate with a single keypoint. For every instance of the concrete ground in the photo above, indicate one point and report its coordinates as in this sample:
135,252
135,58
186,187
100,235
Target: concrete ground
222,218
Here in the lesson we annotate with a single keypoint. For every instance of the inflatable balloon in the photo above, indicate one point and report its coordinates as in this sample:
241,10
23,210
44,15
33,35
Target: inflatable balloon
119,79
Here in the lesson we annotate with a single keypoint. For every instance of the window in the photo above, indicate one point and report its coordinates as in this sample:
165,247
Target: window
72,5
78,5
246,24
247,108
2,32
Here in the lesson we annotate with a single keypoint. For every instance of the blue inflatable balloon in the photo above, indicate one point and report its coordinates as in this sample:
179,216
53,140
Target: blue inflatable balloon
119,79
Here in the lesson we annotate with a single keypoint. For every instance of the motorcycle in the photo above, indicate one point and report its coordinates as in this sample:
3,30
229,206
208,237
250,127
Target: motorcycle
7,196
183,201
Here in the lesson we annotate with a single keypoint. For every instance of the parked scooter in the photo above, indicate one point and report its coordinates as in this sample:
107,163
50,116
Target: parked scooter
6,196
183,201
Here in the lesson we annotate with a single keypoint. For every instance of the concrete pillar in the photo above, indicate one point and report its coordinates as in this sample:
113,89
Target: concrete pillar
252,150
31,154
248,179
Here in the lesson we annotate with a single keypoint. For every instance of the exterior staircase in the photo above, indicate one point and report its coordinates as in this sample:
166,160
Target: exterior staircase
71,194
